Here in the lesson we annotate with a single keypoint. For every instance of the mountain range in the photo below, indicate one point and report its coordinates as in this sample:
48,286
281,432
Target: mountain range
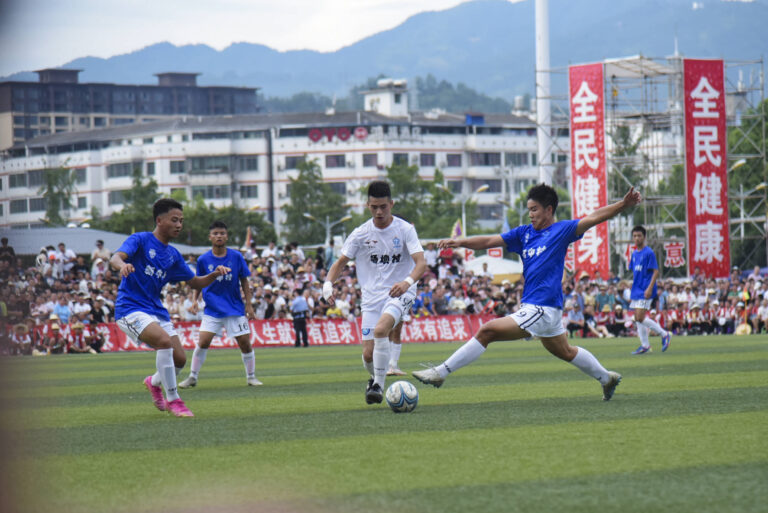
486,44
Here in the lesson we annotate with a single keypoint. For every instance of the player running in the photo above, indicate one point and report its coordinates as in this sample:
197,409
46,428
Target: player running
645,271
542,246
146,262
224,308
389,261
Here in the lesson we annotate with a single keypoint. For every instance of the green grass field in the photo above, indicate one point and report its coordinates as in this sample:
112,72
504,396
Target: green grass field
517,431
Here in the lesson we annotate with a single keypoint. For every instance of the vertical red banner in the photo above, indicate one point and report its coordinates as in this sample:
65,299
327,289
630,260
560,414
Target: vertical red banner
589,179
706,167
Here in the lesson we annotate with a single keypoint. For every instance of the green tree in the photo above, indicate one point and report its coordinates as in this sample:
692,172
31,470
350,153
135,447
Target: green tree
624,156
198,217
136,215
58,189
311,195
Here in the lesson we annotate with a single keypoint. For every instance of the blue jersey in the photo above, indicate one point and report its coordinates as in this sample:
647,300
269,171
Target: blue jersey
155,265
543,253
222,297
642,263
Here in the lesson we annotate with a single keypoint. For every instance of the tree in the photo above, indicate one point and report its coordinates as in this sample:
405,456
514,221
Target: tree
198,217
311,195
58,190
136,215
624,156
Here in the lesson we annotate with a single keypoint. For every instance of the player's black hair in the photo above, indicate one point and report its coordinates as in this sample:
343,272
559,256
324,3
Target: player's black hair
165,205
217,224
640,229
545,195
379,189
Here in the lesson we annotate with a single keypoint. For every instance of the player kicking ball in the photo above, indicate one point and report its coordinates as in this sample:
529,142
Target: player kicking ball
224,308
146,262
542,246
389,260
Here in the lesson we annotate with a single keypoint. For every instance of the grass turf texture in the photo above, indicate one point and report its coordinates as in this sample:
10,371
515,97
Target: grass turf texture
516,431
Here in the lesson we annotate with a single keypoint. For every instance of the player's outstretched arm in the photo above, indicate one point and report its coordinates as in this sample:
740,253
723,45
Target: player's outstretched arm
476,242
333,274
200,282
631,198
120,265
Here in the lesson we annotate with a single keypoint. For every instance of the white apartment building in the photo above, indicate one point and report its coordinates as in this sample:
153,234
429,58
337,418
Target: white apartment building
248,159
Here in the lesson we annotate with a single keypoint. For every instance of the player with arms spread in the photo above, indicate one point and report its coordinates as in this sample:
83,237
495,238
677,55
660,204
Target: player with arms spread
224,308
645,271
389,261
146,262
542,246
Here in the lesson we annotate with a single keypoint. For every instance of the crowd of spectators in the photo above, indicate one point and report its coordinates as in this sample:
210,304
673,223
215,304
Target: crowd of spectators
69,293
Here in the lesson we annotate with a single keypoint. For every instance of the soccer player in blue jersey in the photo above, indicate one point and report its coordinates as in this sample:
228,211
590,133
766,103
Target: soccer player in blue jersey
542,246
645,271
224,308
146,262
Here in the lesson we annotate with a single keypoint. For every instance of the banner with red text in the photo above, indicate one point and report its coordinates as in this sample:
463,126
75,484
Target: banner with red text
706,167
588,167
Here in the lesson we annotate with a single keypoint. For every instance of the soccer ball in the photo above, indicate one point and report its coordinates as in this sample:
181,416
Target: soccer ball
402,397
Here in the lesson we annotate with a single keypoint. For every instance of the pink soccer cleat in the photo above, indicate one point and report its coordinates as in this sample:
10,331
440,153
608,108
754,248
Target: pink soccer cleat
156,393
178,408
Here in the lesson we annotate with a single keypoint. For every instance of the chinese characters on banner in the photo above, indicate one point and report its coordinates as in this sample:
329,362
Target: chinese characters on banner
706,167
673,252
588,166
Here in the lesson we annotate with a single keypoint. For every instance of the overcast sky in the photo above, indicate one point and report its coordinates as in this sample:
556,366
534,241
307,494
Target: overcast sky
36,34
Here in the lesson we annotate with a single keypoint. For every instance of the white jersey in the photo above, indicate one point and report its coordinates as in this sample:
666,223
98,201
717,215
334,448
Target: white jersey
382,257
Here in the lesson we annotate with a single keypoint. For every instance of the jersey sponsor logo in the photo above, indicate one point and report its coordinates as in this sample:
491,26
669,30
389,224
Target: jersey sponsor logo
528,253
396,243
386,259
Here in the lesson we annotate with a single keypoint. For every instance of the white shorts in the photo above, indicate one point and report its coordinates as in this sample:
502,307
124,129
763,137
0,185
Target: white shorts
235,325
645,304
397,307
539,321
136,322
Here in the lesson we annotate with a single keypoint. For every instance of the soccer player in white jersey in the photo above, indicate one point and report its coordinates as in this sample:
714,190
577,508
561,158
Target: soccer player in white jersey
645,271
542,246
224,308
389,261
146,262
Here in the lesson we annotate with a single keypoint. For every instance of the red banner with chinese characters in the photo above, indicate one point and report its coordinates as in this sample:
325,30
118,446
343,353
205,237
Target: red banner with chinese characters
673,254
706,167
588,167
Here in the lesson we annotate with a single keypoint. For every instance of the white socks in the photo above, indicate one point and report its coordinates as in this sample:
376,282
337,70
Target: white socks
642,333
588,364
368,366
167,371
249,360
463,356
394,354
198,358
653,326
380,360
157,380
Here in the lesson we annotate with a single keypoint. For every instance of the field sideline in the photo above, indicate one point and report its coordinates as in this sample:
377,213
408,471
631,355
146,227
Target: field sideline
519,430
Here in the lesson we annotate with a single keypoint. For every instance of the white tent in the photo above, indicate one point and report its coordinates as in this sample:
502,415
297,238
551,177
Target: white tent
497,266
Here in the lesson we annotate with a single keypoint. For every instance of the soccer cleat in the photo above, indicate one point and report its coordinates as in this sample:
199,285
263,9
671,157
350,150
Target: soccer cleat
178,408
189,382
641,350
394,371
254,382
610,387
156,393
665,342
373,394
429,376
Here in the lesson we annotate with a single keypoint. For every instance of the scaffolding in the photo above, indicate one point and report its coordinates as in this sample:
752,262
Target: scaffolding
645,147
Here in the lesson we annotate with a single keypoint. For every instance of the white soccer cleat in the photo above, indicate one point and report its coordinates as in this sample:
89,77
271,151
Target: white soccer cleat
610,387
394,371
189,382
254,382
429,376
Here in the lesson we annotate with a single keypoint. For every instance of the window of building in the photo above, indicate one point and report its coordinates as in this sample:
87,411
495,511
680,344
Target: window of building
19,133
338,187
370,159
210,191
82,202
18,206
61,121
249,191
116,197
398,97
85,121
17,180
118,170
493,185
37,204
453,160
2,210
485,159
454,186
427,160
18,120
150,169
534,159
177,167
212,164
32,120
249,163
335,161
292,162
81,175
400,159
45,120
35,177
99,121
516,159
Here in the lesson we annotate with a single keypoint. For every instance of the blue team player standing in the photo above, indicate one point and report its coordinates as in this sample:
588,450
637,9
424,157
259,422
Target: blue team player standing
542,246
645,271
224,308
146,262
